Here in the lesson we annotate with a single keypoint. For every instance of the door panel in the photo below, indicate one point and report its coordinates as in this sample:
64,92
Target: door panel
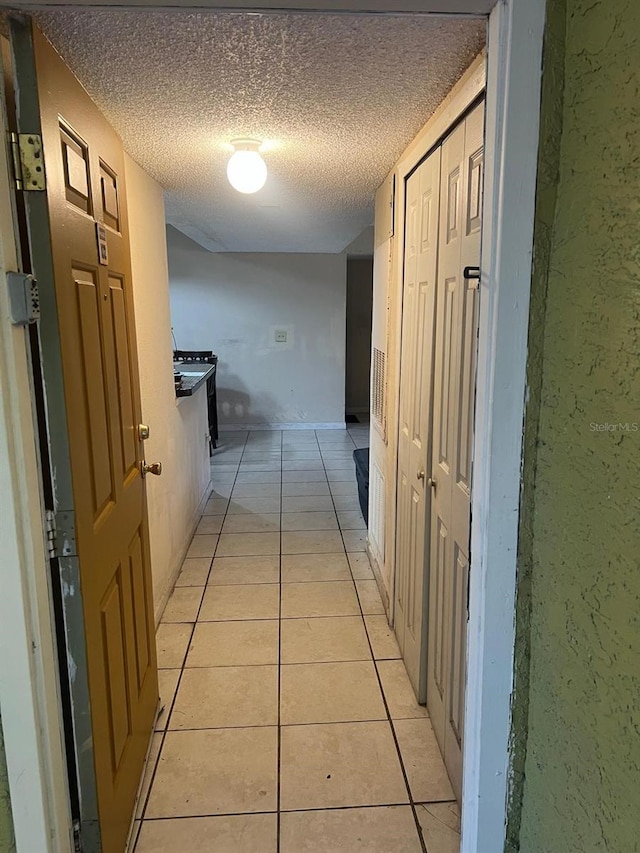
466,389
123,392
454,403
444,410
142,612
88,337
75,163
112,610
464,382
437,576
403,532
448,286
109,197
456,669
94,391
416,379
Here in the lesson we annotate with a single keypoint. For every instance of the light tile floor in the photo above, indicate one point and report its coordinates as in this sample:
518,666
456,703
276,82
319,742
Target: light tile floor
289,724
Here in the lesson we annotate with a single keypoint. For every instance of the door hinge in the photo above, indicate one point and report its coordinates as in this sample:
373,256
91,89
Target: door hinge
28,161
51,530
77,837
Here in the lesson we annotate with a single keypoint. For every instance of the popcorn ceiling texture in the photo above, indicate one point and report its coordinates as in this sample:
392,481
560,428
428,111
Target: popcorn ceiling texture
336,97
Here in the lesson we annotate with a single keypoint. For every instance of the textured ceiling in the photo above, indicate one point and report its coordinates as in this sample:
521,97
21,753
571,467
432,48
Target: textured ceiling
335,97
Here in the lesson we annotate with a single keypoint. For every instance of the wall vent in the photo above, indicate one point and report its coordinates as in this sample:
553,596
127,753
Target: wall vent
379,391
376,513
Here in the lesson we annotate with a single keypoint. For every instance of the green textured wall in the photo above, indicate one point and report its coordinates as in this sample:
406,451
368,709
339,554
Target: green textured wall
576,735
7,844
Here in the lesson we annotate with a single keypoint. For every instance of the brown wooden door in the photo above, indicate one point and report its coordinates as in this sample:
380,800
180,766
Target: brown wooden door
84,164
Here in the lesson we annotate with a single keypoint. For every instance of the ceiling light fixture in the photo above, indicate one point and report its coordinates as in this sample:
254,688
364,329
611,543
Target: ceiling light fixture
246,170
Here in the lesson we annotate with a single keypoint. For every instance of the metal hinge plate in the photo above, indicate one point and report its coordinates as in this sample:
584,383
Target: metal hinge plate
77,837
24,299
50,532
28,161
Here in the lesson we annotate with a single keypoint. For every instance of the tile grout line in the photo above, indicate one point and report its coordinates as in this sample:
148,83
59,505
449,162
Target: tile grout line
275,583
279,801
274,618
299,725
335,508
279,729
267,665
386,705
380,687
382,693
301,811
165,730
397,744
295,663
344,545
279,726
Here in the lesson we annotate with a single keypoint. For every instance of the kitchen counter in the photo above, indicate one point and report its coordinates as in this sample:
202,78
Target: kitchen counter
193,376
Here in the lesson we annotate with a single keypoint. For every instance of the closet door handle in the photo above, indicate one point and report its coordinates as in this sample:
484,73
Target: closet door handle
472,274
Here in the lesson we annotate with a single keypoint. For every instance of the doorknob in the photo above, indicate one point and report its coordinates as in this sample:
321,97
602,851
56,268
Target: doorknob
420,475
151,468
431,482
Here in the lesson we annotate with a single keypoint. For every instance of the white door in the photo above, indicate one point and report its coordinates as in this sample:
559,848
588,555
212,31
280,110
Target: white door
416,394
452,436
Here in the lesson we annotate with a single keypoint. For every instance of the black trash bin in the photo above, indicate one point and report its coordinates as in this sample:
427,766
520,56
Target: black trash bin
361,458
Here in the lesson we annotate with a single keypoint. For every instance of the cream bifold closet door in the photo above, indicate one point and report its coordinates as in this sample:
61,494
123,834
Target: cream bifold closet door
433,564
418,317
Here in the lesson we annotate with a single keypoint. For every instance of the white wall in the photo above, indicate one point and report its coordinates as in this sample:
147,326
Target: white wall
234,303
178,428
362,246
382,523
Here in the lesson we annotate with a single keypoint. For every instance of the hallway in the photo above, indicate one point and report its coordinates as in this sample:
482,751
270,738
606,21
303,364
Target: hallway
289,723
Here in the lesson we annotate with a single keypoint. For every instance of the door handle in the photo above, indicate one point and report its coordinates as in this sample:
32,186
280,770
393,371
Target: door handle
151,468
472,274
431,483
420,475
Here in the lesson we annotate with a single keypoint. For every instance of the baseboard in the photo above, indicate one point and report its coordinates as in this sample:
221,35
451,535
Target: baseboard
279,426
175,571
384,593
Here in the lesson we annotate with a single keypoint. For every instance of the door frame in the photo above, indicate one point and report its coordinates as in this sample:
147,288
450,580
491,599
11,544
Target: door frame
30,697
512,122
31,714
512,105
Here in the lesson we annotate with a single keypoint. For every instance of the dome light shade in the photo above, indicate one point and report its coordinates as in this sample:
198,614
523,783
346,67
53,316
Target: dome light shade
246,170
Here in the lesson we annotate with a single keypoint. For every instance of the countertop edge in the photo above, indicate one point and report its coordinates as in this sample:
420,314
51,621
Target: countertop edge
188,392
